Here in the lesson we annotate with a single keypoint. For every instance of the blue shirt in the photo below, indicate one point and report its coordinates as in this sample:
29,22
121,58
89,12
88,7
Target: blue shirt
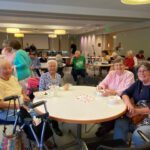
138,91
46,81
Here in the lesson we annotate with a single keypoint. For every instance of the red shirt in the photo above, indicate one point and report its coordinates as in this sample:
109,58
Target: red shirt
129,62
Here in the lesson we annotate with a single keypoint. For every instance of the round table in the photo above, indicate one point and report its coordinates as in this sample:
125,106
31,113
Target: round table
80,105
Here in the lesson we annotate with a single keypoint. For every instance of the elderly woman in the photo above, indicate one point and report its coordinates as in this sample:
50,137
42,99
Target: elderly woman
22,63
138,91
51,78
7,51
9,86
117,80
115,83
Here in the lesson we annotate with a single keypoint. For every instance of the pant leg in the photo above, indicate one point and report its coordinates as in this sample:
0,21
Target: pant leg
82,73
54,124
122,127
137,139
38,72
74,74
11,117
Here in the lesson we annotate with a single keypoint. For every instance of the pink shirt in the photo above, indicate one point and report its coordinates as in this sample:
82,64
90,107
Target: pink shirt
118,82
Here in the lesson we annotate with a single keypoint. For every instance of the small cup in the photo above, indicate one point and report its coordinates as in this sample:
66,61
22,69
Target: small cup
66,86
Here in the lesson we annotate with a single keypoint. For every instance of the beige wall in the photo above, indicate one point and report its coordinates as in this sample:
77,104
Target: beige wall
134,40
42,41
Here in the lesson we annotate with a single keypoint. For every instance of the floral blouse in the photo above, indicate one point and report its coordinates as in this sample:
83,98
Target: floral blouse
46,81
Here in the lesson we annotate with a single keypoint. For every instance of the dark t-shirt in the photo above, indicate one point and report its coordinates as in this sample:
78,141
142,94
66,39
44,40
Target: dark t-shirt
138,91
73,48
43,60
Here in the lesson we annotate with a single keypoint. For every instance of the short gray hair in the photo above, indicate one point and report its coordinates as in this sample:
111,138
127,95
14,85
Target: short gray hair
52,61
146,64
118,60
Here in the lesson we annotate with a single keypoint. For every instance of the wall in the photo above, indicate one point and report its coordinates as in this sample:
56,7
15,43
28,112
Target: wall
91,43
134,40
41,41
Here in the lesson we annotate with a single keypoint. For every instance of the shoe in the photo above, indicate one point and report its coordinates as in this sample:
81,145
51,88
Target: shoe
58,131
102,131
49,144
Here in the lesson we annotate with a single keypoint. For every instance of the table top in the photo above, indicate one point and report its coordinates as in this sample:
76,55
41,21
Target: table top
81,105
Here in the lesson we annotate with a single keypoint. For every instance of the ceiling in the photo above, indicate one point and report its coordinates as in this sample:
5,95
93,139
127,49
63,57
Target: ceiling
76,16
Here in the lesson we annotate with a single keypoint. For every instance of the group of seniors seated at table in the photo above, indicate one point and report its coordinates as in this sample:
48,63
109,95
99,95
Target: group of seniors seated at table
136,93
114,83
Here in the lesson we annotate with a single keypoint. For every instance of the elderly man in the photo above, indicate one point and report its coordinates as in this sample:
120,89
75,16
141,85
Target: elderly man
78,63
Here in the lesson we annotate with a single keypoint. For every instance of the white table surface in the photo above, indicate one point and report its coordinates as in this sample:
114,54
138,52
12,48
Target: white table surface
70,106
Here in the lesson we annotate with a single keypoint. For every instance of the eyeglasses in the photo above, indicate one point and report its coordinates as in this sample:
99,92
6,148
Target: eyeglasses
142,71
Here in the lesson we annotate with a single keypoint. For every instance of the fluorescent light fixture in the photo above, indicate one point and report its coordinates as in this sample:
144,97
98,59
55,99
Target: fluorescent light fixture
19,35
60,32
135,2
114,36
12,30
52,36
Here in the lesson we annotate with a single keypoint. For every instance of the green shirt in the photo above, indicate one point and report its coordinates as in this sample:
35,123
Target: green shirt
79,63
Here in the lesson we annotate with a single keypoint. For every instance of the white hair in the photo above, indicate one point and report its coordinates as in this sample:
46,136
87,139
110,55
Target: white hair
52,61
3,62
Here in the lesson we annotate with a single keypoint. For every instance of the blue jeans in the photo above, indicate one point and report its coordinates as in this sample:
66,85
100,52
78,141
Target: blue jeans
136,138
11,117
122,127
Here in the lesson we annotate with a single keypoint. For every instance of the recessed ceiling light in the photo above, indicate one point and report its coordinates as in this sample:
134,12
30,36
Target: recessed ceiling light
60,32
52,35
135,2
19,35
12,30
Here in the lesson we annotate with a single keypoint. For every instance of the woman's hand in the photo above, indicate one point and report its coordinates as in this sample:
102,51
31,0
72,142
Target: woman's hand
108,92
130,108
99,88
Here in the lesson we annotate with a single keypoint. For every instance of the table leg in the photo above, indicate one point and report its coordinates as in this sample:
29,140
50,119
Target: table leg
78,141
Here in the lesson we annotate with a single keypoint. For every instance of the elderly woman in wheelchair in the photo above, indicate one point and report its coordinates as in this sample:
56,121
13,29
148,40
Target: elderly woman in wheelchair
10,86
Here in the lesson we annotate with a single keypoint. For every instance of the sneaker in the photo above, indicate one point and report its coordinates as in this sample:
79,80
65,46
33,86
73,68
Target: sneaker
58,131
